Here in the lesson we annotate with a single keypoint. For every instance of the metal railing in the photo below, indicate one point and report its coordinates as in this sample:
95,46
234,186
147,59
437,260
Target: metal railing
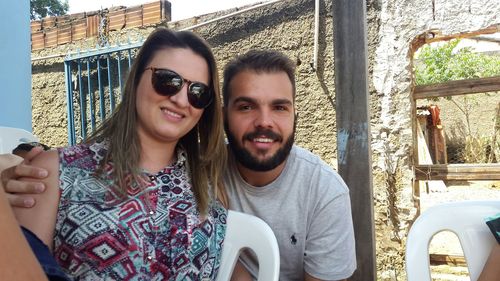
94,84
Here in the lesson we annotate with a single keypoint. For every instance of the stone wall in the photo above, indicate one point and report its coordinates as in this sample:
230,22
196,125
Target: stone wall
288,26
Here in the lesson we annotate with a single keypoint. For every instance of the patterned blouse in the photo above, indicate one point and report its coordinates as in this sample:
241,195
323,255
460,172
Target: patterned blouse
154,234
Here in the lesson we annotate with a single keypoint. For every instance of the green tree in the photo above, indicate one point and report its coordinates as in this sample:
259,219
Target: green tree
441,63
42,8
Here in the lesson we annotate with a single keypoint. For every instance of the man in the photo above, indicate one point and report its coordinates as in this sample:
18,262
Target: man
12,159
302,199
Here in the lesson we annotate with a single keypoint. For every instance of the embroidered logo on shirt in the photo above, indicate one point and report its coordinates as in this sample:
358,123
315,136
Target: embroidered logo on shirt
293,240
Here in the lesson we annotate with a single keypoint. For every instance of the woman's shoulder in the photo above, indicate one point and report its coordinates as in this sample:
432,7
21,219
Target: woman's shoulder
41,218
47,159
82,155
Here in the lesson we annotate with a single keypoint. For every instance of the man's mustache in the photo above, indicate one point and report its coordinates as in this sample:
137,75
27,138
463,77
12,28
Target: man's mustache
263,133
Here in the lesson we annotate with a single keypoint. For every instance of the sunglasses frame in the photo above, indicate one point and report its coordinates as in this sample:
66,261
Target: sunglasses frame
193,98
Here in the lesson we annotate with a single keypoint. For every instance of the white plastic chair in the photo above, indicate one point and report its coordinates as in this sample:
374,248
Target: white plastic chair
10,138
246,231
465,219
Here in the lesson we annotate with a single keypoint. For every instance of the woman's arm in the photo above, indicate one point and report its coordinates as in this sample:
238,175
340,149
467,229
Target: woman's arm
17,261
41,219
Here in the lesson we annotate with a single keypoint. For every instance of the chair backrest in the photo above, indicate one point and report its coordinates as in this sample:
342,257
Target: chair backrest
10,138
467,220
245,231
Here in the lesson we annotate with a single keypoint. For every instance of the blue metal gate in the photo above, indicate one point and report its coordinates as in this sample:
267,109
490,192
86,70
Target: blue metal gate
94,83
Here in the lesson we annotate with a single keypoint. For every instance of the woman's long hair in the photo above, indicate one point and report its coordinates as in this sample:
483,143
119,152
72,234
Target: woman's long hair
204,144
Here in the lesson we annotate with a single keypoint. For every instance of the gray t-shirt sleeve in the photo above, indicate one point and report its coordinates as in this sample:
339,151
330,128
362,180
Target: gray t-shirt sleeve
330,247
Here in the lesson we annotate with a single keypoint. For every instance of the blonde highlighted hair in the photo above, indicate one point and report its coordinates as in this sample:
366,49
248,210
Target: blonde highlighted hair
204,144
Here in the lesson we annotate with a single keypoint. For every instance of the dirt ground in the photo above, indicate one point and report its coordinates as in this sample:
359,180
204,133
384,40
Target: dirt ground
447,242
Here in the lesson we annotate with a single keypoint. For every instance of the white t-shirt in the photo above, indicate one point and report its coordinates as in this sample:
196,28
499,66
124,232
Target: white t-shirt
308,208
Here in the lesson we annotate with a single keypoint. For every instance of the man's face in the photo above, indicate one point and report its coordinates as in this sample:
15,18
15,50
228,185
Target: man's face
260,119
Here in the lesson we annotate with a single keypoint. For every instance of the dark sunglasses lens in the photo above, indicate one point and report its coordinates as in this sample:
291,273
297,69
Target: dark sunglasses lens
166,82
199,95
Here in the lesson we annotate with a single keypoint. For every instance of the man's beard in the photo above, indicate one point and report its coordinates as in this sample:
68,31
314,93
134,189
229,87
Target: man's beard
245,158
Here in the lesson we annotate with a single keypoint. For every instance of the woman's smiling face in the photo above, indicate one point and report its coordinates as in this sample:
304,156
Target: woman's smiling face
169,118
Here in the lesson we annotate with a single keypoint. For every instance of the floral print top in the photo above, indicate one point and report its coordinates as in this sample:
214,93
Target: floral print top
154,233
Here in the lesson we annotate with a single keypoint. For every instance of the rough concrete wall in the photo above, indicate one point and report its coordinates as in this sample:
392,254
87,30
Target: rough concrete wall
288,26
49,115
49,86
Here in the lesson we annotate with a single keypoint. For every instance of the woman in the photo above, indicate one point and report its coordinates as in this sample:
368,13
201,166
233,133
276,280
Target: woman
139,199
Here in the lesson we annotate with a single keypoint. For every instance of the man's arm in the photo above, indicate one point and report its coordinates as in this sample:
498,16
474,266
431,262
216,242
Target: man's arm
20,193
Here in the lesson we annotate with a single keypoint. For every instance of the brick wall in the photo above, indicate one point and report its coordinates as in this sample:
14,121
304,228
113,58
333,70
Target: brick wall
54,31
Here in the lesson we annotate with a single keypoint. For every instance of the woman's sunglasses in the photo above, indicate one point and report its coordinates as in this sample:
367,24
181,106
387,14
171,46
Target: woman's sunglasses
168,83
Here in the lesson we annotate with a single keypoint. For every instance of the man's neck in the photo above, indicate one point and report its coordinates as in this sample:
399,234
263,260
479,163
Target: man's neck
257,178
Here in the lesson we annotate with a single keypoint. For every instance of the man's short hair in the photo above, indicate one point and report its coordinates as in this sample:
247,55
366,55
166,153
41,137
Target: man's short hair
28,146
259,61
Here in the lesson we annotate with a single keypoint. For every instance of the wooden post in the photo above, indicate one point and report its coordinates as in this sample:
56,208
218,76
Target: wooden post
353,126
166,10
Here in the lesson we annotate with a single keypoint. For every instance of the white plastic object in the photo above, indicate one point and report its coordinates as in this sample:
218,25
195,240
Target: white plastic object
467,220
245,231
10,138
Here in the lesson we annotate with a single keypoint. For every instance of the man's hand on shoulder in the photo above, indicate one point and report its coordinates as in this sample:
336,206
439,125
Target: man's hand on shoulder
18,192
